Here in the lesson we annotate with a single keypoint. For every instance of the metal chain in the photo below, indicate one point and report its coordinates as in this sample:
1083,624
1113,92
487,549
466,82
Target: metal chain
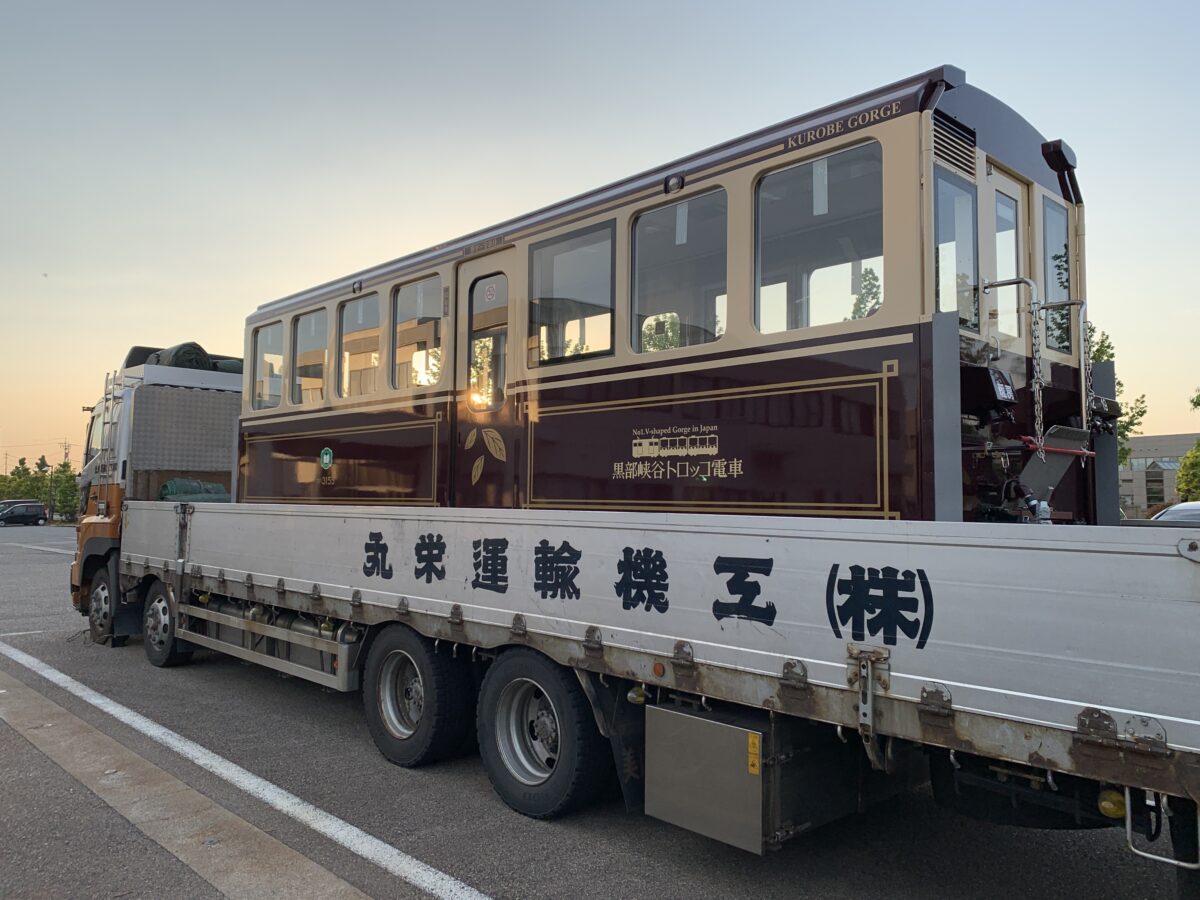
1085,353
1086,350
1035,340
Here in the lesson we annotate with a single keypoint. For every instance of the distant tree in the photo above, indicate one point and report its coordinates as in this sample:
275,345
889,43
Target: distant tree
41,480
64,492
1187,480
1132,414
1195,401
869,295
21,483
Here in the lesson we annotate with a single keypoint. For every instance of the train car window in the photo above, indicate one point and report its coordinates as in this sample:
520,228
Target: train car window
1055,253
956,257
489,340
268,366
571,298
310,355
679,271
1008,260
820,241
417,334
359,333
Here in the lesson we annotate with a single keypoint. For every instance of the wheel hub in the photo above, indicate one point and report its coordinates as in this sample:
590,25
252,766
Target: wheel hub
414,697
100,609
545,728
401,695
527,731
158,623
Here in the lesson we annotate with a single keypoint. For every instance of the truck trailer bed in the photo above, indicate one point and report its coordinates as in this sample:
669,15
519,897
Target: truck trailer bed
1069,648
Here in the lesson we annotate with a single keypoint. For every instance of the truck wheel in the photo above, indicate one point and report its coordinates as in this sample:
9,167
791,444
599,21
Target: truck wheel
417,701
158,629
537,738
100,608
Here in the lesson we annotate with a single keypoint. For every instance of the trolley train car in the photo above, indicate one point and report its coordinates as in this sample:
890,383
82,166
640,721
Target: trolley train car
871,310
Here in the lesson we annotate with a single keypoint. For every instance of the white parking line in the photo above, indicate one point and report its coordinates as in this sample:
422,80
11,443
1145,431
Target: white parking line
427,878
235,857
19,633
43,549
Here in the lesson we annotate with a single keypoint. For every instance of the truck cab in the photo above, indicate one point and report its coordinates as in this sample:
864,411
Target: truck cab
154,424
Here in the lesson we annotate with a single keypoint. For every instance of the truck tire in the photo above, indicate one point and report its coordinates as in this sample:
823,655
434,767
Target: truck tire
100,608
163,649
537,737
418,702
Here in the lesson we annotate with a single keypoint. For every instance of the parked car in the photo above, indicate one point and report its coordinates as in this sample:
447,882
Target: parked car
25,513
5,504
1180,512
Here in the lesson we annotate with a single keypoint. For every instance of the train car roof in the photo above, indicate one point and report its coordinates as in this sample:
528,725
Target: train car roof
1001,131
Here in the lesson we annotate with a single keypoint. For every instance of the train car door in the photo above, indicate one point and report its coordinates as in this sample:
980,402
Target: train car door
487,432
1005,254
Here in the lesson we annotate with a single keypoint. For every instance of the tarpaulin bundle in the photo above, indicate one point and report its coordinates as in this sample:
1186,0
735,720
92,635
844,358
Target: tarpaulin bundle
182,356
190,490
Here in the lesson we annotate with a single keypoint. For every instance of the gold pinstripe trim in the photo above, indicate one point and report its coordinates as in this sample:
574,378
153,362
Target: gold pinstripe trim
359,429
690,364
347,501
877,382
431,500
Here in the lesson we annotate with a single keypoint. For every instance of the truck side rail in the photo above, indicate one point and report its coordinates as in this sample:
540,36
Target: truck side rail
1070,648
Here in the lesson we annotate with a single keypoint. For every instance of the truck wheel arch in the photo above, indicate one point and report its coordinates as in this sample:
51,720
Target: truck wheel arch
95,555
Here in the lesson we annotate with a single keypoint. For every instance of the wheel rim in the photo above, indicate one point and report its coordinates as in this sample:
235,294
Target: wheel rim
158,622
527,731
402,694
100,608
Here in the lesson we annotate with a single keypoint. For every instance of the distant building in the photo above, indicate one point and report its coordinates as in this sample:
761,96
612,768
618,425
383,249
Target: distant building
1148,476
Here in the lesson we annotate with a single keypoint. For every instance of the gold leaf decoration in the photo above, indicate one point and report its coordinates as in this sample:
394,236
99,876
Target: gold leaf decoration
477,469
495,444
471,439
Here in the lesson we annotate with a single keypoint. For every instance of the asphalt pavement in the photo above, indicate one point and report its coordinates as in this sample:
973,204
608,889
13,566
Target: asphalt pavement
61,838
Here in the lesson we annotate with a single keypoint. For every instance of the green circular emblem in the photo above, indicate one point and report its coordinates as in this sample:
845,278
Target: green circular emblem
326,458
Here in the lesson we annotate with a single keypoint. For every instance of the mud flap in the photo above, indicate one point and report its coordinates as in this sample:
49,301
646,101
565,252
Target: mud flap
127,612
624,724
1185,841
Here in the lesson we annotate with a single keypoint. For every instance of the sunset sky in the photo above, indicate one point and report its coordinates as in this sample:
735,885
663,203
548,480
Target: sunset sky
167,167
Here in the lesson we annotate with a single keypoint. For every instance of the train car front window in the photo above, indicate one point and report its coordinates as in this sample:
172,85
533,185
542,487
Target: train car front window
310,353
956,257
1056,250
1008,259
360,346
820,241
571,303
417,322
679,271
489,339
268,366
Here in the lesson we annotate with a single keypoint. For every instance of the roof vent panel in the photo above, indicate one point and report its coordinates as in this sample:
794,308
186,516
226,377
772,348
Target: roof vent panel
954,144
